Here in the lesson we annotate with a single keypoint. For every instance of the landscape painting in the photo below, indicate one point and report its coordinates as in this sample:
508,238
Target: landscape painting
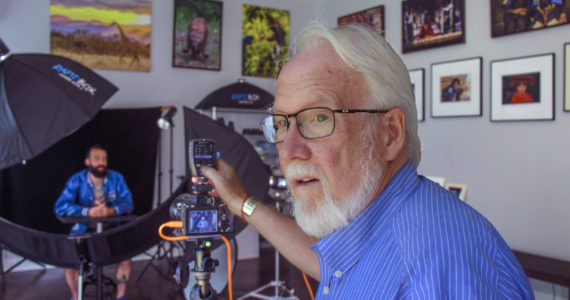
105,34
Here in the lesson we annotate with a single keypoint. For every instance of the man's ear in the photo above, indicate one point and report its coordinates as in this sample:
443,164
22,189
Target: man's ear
86,161
395,133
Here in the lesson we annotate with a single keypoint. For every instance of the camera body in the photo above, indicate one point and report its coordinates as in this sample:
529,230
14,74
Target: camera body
203,216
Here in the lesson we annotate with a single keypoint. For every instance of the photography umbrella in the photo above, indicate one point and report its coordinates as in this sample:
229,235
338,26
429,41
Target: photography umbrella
44,98
240,95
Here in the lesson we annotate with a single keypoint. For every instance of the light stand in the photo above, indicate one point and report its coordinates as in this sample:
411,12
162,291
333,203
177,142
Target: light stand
279,188
164,123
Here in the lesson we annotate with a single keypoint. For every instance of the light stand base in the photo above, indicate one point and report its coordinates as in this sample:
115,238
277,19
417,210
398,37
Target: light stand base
280,288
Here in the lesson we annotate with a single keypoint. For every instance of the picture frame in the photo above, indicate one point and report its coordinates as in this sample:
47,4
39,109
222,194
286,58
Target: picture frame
417,77
459,189
522,88
567,77
265,40
114,35
374,17
515,17
197,34
429,24
456,88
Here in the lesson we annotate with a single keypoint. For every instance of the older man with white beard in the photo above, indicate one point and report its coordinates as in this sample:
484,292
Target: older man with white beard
367,226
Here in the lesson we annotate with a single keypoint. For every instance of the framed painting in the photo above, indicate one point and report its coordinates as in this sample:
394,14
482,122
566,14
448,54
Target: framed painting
523,88
517,16
265,40
197,34
432,23
113,35
374,17
458,189
567,77
417,78
456,88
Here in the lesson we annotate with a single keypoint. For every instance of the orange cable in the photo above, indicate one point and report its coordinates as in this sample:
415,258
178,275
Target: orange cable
229,266
171,224
308,286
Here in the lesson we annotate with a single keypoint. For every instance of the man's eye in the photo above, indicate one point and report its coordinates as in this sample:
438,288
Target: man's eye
321,118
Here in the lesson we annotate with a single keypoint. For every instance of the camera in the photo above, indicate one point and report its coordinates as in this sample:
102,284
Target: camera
202,215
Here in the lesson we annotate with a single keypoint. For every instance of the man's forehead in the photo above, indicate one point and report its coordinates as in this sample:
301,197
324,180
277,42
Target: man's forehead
98,153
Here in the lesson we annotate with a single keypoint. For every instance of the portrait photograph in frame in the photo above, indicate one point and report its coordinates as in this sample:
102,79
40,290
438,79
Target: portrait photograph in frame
417,77
456,88
518,16
197,35
567,77
432,23
522,88
458,189
374,17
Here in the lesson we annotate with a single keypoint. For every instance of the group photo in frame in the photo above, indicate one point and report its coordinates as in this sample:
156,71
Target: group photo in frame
373,17
567,77
417,78
518,16
522,88
432,23
197,34
456,88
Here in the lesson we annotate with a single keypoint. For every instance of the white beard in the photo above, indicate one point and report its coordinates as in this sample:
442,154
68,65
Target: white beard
333,212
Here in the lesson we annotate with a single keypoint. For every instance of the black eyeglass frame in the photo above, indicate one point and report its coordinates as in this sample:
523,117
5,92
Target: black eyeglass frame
334,111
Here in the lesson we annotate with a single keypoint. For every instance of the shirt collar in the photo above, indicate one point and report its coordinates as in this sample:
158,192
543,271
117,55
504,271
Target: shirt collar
344,247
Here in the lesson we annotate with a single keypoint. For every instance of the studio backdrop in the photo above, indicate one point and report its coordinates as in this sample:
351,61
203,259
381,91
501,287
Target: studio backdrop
28,192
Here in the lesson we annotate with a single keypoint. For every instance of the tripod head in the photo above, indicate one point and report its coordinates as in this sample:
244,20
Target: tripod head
204,266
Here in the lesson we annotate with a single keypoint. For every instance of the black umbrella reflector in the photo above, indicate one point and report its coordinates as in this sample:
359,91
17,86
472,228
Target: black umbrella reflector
233,148
44,98
240,95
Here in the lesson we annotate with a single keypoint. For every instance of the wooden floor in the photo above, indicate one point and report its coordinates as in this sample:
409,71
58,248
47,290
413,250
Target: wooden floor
248,275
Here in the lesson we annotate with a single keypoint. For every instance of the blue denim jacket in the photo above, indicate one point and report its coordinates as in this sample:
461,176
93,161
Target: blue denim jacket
77,197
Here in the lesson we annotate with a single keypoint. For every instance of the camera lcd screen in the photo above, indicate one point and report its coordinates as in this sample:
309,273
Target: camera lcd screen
202,221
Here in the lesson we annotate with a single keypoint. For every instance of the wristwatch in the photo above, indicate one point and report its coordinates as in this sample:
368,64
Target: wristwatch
249,205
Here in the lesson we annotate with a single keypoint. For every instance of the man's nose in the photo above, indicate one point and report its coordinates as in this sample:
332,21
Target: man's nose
294,146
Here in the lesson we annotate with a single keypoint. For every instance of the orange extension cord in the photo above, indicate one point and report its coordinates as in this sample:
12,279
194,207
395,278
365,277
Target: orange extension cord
308,286
179,224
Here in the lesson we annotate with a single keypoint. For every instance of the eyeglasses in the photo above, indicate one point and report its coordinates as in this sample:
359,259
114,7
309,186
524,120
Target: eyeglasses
313,122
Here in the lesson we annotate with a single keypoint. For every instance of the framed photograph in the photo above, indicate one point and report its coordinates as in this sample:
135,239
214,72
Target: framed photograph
523,88
517,16
417,78
197,37
265,40
432,23
458,189
374,17
456,88
111,35
567,77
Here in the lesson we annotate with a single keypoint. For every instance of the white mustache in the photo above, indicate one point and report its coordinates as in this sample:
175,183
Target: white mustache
298,169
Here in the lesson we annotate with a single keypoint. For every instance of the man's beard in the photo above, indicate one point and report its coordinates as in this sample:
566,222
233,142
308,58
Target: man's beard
333,212
99,171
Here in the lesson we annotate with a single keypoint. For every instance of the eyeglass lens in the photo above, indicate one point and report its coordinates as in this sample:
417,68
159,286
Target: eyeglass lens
312,123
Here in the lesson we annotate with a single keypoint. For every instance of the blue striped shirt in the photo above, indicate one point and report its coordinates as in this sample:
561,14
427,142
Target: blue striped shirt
418,241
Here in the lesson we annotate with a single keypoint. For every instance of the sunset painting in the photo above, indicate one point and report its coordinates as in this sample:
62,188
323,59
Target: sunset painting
102,34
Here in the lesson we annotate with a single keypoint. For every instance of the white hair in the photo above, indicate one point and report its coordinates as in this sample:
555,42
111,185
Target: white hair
366,51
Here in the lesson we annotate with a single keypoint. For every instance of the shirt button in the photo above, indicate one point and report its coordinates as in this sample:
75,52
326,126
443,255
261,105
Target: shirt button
325,290
337,274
